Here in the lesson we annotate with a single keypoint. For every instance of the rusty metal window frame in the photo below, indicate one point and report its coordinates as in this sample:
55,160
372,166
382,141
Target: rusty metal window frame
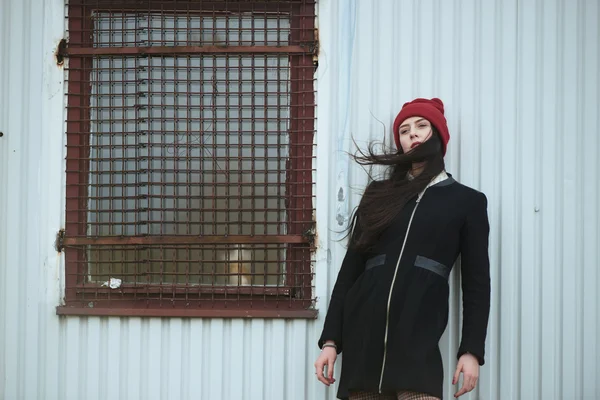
292,295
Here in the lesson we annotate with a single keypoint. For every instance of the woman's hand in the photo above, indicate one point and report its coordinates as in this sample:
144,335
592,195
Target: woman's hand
326,358
469,366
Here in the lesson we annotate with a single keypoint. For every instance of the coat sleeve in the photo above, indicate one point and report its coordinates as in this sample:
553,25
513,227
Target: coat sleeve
352,266
475,274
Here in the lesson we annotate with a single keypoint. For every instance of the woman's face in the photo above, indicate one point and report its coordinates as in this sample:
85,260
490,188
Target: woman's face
413,132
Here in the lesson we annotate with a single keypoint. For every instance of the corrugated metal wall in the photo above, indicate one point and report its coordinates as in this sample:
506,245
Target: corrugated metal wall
521,84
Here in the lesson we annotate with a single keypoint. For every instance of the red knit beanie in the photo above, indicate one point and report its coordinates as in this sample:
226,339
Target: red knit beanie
432,110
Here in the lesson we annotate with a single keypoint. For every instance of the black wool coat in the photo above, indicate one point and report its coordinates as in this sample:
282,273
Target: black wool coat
388,310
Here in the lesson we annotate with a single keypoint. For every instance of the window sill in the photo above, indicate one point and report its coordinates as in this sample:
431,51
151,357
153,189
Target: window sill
187,313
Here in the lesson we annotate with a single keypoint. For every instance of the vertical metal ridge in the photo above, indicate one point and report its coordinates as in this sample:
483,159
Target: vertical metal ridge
374,40
61,387
21,100
466,88
229,336
528,274
495,251
122,337
569,287
596,258
560,201
256,359
267,354
415,46
168,367
4,143
539,171
215,355
184,361
558,298
518,195
83,353
105,356
455,86
595,371
509,285
579,211
581,186
92,346
437,33
49,174
239,352
141,386
287,357
481,101
276,345
204,350
196,362
477,128
112,348
29,240
302,347
590,98
549,202
70,362
247,358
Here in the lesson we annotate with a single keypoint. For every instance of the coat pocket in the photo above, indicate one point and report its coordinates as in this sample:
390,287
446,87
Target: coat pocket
375,262
433,266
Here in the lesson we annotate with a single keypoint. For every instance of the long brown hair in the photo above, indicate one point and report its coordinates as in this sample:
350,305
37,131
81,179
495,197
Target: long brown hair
383,200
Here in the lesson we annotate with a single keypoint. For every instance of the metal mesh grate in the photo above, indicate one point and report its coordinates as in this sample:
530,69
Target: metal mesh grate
152,29
190,153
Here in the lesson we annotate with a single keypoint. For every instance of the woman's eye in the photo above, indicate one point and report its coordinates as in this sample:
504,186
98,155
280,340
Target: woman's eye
403,132
423,126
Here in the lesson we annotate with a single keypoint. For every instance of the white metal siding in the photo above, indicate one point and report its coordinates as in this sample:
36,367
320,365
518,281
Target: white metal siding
521,84
520,80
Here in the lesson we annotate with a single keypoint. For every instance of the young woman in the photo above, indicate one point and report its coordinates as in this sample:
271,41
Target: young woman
389,305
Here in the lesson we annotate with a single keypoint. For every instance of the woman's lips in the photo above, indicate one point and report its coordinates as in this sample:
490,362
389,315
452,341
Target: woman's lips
415,144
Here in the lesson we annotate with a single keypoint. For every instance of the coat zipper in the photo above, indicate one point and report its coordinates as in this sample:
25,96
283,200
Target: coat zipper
387,315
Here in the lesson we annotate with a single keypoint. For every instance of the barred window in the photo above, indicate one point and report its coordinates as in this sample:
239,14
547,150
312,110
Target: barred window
190,173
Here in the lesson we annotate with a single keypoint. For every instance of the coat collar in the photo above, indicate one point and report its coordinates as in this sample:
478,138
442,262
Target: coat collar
442,176
442,179
439,178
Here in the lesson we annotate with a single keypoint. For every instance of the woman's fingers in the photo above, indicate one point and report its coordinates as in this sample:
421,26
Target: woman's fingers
473,382
457,373
330,369
462,391
469,367
327,358
469,383
320,366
